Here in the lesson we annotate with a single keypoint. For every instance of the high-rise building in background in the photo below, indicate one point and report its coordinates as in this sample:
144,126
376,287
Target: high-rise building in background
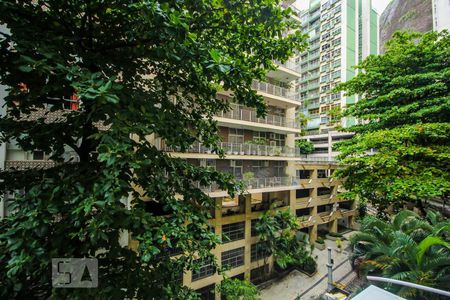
341,34
413,15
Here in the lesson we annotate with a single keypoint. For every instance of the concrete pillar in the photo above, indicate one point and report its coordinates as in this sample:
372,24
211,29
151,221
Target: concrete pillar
313,233
333,226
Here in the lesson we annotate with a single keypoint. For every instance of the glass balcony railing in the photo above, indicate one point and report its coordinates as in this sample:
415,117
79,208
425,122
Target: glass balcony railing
251,116
241,149
274,90
289,65
258,183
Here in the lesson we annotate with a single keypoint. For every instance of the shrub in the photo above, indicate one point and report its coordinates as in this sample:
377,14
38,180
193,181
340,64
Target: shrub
320,240
309,265
335,234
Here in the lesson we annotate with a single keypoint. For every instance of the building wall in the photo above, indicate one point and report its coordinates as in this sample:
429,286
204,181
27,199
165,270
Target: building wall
347,32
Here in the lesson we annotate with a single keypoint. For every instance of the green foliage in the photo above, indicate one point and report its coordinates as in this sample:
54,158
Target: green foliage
306,147
302,120
320,240
276,230
235,289
406,248
257,141
335,234
139,68
400,151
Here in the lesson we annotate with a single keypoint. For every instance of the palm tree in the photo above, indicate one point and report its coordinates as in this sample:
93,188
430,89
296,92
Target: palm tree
408,248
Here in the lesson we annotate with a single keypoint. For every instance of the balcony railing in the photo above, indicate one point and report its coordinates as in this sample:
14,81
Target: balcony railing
274,90
289,65
251,116
258,183
20,165
241,149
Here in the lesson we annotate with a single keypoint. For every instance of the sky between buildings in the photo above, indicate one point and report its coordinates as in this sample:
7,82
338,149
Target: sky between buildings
379,5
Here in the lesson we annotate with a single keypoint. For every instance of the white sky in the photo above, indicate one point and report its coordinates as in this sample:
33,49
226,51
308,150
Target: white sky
379,5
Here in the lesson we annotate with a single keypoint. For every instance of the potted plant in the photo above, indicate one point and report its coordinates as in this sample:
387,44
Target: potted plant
320,243
333,236
309,266
277,151
248,178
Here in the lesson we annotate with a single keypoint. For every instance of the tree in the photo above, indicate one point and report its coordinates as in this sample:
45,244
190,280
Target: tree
236,289
305,147
276,230
408,248
139,69
400,149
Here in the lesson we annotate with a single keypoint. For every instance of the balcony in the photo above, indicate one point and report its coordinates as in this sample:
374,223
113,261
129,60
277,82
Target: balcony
274,90
20,165
251,116
241,149
289,65
257,183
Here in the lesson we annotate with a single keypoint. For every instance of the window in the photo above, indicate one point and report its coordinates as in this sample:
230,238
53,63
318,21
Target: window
336,42
303,193
233,232
235,135
207,292
253,227
278,168
337,53
324,109
206,269
325,78
321,173
257,274
325,88
236,168
209,164
325,47
304,174
303,212
233,258
324,191
258,252
38,155
324,120
336,74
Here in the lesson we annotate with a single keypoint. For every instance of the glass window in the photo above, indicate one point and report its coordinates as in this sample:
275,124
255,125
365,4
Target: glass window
38,155
206,269
233,258
233,232
258,251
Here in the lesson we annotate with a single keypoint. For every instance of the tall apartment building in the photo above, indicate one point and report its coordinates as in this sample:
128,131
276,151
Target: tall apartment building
341,34
261,152
413,15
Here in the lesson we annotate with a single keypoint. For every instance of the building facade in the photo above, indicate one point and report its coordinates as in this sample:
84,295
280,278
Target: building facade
261,152
342,33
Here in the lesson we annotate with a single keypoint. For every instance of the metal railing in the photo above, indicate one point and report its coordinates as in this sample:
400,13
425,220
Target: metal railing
257,183
251,116
29,164
240,149
272,89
